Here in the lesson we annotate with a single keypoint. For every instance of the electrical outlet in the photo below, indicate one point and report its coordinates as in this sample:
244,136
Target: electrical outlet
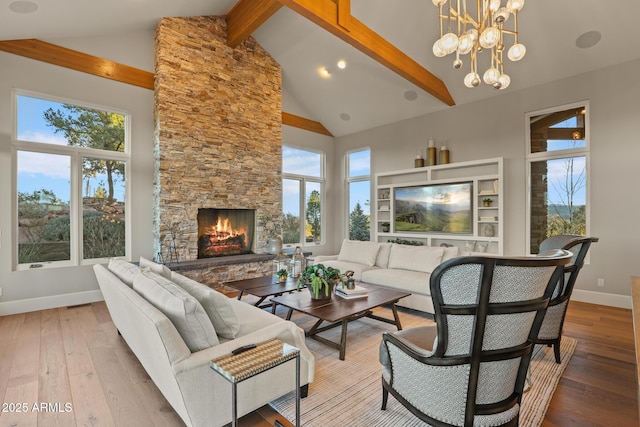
601,283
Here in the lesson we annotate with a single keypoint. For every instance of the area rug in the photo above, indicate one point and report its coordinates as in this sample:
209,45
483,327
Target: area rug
349,392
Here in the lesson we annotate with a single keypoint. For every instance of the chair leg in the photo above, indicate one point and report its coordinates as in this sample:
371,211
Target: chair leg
385,397
556,349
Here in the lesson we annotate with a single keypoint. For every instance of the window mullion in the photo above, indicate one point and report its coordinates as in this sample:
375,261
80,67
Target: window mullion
76,208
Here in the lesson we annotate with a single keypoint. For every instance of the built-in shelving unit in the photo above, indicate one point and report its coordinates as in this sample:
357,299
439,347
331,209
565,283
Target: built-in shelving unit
486,176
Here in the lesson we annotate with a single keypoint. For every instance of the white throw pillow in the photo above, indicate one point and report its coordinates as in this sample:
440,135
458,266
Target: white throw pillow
124,270
416,258
359,252
224,318
382,260
160,269
450,252
184,311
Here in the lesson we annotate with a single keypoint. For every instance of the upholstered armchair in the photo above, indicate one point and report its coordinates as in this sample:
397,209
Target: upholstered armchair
551,329
469,369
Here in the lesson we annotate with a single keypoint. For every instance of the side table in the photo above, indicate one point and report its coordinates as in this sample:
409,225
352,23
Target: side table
266,355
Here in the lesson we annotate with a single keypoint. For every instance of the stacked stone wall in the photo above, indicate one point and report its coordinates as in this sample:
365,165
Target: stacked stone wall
218,132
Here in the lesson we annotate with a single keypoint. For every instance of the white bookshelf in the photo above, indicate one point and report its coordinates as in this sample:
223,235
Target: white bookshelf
486,177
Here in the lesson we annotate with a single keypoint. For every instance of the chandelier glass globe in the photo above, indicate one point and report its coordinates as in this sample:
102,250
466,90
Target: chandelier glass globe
491,75
449,43
472,80
515,5
517,52
438,51
489,37
465,44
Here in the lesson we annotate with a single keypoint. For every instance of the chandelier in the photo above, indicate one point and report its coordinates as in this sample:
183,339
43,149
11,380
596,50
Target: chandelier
466,34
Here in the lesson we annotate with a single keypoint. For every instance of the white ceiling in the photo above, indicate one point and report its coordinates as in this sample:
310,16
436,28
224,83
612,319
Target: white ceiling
367,92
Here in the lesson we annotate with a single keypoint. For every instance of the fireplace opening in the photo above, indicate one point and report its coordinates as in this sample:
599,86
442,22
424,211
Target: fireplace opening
223,232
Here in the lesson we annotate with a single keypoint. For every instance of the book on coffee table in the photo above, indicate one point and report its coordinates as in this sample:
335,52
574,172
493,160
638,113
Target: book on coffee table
357,292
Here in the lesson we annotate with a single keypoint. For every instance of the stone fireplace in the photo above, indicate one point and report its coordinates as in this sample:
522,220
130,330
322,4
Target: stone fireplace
218,142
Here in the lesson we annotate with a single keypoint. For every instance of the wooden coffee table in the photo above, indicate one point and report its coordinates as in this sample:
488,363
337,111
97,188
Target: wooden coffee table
263,287
339,312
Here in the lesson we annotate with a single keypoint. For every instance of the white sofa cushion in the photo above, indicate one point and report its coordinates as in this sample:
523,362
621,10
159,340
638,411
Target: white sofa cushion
450,252
160,269
382,259
359,252
416,258
124,270
224,319
184,311
415,282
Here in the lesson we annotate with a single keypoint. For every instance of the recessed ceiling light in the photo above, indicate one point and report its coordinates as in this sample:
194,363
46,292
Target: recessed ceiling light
23,6
342,64
410,95
588,39
324,72
345,117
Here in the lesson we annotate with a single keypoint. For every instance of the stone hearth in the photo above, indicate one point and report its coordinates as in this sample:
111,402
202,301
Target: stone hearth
218,140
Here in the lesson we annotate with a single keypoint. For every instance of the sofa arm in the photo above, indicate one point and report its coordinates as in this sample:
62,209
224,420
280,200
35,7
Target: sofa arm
319,259
285,331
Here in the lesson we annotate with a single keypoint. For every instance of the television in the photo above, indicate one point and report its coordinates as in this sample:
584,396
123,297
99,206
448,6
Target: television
434,208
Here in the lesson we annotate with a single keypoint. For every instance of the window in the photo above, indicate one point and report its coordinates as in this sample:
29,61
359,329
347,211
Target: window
302,196
358,194
70,163
557,161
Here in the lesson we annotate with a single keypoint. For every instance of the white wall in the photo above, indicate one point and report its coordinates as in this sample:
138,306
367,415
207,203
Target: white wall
48,287
496,128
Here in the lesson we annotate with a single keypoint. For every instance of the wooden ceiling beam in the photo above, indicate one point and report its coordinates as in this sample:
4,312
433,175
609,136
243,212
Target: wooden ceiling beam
304,123
72,59
329,14
246,17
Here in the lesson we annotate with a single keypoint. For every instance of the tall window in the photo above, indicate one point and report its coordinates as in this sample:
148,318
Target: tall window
70,163
358,194
302,196
557,159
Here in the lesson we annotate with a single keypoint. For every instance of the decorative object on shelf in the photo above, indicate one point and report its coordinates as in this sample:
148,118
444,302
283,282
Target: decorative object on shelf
385,227
444,155
320,280
431,152
282,275
419,162
406,242
489,231
470,245
488,218
487,202
482,33
481,246
495,186
384,194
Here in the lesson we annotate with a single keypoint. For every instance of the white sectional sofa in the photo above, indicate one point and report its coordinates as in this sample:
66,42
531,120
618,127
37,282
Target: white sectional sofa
175,326
392,265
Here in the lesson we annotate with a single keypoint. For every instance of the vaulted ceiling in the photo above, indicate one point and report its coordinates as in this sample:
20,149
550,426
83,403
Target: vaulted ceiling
366,93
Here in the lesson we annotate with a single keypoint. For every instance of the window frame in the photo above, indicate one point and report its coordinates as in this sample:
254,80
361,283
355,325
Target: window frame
568,153
76,155
302,182
352,179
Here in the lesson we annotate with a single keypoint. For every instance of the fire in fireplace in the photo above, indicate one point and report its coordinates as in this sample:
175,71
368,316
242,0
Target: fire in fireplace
224,232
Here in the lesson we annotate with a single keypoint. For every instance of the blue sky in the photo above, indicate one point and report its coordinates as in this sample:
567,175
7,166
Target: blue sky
52,172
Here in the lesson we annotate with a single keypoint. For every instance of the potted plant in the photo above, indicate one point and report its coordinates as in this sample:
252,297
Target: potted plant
385,227
282,274
320,280
487,202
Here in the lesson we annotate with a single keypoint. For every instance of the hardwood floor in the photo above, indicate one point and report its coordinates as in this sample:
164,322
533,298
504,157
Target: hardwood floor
69,367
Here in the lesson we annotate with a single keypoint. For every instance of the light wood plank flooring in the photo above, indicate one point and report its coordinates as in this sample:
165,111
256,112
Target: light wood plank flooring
74,357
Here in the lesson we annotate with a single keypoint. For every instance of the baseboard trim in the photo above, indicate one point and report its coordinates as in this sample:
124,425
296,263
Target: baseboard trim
45,303
611,300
